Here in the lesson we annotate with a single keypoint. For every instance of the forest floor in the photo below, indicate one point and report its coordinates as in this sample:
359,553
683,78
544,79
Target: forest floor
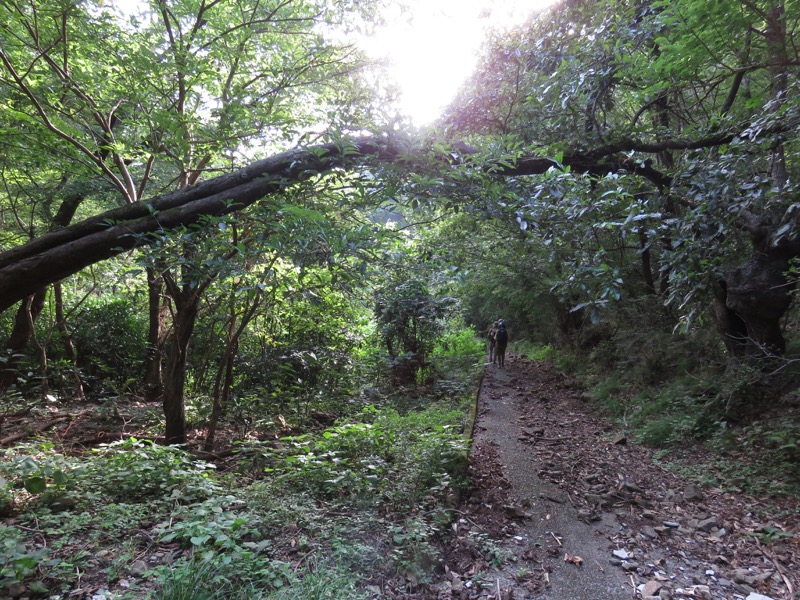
565,507
562,507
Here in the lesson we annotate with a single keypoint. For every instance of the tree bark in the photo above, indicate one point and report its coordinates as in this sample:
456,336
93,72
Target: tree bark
158,309
646,263
69,346
187,304
753,299
758,293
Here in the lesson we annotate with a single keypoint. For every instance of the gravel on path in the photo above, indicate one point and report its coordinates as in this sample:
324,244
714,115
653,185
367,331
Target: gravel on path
576,553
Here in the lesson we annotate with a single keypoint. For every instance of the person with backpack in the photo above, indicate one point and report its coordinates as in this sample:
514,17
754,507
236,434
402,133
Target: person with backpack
501,339
490,337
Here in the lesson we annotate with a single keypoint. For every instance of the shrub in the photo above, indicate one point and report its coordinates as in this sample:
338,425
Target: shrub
110,339
37,470
459,343
395,457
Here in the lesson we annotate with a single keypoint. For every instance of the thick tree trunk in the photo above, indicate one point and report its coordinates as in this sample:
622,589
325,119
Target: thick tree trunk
758,293
751,300
184,319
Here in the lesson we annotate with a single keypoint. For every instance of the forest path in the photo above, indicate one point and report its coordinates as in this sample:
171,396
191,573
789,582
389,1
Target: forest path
563,508
550,521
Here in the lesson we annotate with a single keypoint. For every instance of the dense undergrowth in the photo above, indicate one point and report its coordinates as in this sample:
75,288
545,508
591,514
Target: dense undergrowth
325,512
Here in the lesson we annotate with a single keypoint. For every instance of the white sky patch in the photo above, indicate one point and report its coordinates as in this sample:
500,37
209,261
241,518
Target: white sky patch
433,49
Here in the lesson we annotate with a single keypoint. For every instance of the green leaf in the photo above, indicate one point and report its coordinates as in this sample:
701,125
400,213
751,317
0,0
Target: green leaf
35,485
199,540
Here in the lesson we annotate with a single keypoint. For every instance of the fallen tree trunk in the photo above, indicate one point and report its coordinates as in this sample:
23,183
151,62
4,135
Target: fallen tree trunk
59,254
56,255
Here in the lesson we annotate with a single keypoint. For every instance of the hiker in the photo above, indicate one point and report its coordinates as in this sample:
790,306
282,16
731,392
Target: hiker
501,339
490,337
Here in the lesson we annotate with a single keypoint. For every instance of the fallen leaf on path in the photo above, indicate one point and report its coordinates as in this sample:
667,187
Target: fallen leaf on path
575,560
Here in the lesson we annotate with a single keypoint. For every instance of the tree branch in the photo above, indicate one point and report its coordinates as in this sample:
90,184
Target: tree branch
61,253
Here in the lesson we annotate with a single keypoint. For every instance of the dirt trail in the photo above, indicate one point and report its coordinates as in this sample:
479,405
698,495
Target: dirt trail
550,521
564,509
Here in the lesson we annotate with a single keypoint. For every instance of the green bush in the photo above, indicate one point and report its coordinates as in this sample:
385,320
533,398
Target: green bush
395,457
217,528
536,351
38,470
414,551
110,340
459,343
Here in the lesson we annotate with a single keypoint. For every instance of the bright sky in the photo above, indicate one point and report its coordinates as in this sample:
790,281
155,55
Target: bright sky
432,48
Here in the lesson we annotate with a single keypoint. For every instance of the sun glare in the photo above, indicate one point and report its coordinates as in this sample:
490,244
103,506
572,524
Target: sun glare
432,49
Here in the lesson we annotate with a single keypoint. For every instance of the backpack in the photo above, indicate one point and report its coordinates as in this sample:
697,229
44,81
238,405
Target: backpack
501,336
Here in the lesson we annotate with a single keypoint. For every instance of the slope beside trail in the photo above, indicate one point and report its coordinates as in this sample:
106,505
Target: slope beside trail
563,508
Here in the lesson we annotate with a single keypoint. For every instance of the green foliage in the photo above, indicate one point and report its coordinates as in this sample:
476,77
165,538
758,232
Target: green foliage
409,320
535,351
319,496
492,553
200,580
17,562
137,471
219,529
110,339
610,393
775,447
769,535
415,554
458,343
320,583
394,457
38,470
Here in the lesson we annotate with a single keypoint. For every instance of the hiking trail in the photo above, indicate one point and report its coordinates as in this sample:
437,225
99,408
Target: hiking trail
564,508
